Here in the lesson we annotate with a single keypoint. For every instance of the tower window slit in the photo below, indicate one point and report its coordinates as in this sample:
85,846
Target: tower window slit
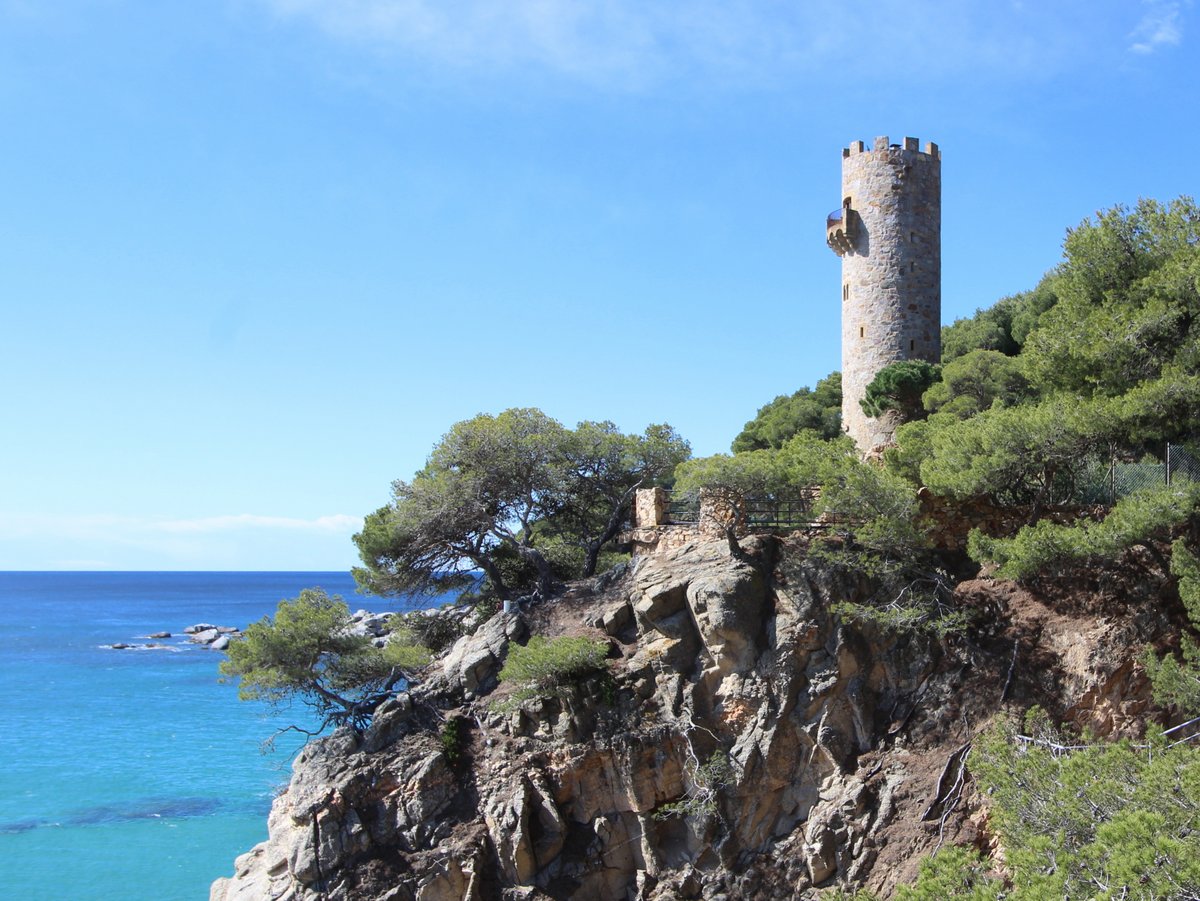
862,332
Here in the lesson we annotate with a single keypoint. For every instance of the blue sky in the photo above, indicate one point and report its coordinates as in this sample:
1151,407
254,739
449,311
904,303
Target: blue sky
258,255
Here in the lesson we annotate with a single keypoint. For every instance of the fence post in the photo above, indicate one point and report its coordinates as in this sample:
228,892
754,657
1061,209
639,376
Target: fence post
719,510
650,508
1167,466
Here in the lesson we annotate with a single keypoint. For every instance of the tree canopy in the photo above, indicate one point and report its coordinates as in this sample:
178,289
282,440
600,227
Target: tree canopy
1128,306
976,381
1111,368
1002,327
310,652
899,387
817,410
510,487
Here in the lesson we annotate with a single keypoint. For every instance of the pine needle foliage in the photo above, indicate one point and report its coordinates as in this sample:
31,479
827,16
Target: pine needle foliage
548,666
1102,820
309,652
1177,681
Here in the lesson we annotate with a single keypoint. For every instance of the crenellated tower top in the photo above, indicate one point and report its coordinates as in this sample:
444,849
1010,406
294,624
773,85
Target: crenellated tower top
882,145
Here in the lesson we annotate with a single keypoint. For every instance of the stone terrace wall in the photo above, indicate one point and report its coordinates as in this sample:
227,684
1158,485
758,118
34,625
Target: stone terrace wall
951,521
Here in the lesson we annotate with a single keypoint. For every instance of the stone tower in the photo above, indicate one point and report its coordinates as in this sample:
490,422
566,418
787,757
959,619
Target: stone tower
888,233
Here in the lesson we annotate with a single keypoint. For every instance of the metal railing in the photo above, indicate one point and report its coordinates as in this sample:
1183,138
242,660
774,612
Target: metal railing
790,510
781,510
683,508
1100,481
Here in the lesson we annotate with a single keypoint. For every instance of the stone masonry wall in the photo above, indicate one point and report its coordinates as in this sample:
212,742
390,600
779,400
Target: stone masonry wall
891,276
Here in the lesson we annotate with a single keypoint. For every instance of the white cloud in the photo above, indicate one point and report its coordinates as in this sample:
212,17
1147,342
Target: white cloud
14,525
631,42
338,522
1160,26
235,541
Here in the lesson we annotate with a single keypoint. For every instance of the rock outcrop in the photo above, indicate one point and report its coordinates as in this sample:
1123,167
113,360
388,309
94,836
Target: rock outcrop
745,743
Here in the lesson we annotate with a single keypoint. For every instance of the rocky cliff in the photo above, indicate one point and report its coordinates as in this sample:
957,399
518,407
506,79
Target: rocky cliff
745,743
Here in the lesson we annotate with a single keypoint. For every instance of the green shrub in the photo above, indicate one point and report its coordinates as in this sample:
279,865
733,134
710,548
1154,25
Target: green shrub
403,650
1177,682
453,738
547,666
1146,516
1105,820
708,780
952,873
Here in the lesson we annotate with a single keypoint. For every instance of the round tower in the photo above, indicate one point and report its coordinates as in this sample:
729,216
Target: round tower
888,233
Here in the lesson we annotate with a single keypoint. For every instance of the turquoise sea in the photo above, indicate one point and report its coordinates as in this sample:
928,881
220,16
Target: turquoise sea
134,775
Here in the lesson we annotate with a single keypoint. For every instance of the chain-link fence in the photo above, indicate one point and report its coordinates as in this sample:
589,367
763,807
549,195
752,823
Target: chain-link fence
1107,481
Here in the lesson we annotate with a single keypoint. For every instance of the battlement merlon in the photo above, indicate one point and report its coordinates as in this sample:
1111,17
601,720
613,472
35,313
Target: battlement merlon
882,145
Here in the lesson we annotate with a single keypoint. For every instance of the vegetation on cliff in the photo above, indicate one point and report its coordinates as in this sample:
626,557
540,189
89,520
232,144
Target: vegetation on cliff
1040,401
309,652
517,496
1048,399
814,410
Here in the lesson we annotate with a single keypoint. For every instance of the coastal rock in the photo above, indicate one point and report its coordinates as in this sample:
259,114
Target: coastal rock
744,742
474,661
374,624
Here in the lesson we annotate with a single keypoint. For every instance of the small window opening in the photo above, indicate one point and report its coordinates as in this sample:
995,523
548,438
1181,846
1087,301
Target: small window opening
912,345
845,292
862,332
912,267
912,237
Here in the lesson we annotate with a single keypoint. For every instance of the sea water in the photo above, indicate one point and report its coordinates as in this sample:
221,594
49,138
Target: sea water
135,774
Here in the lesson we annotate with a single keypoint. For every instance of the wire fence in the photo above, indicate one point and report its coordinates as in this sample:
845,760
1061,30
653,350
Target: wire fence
1057,749
1107,481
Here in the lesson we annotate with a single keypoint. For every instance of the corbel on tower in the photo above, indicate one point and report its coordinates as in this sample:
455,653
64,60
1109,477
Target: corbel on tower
840,230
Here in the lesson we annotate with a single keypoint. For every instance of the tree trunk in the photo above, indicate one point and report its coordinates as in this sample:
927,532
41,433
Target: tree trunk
610,530
735,547
484,562
545,576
